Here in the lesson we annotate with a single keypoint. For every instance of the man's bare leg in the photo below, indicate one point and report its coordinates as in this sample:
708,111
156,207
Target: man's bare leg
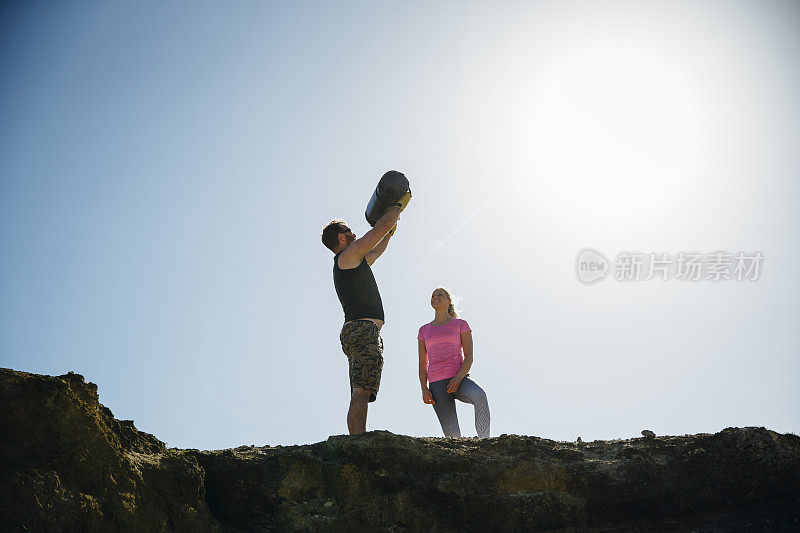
357,415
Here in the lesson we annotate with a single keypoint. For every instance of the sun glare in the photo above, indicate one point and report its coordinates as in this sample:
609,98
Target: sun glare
615,130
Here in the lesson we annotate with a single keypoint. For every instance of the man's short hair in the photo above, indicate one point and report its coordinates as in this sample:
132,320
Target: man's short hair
330,234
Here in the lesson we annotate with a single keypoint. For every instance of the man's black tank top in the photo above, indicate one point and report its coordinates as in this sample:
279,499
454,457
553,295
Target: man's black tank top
357,291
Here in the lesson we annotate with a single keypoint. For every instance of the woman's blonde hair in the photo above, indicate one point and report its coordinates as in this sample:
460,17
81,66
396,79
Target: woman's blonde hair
451,309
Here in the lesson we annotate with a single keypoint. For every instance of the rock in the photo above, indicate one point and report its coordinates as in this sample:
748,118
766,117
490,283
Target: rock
67,465
648,434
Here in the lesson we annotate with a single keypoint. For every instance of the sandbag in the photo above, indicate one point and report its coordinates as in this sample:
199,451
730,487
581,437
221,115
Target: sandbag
392,186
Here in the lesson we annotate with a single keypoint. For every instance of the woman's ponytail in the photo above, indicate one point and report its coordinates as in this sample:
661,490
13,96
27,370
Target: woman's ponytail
451,309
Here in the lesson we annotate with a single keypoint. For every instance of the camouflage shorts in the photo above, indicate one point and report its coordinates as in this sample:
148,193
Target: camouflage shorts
363,346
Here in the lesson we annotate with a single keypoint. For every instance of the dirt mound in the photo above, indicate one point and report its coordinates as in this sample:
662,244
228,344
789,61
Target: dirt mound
66,464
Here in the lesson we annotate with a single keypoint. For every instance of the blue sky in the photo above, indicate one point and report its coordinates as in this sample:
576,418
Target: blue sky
166,168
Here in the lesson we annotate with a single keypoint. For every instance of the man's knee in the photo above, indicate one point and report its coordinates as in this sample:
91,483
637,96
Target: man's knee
360,395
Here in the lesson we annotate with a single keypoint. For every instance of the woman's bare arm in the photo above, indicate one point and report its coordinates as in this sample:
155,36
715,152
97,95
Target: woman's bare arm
427,397
466,344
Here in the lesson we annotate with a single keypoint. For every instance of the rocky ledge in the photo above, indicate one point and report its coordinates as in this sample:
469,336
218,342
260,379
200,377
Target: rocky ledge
66,464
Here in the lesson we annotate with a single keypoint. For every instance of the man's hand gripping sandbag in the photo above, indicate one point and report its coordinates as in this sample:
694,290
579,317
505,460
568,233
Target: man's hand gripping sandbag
393,189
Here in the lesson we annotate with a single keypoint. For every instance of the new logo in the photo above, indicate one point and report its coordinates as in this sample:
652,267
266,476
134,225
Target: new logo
591,266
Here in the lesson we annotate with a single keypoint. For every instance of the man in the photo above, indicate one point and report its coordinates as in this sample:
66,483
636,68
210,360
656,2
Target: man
361,302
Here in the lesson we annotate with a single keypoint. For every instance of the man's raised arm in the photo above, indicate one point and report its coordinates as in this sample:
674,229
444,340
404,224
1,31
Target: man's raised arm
376,252
353,254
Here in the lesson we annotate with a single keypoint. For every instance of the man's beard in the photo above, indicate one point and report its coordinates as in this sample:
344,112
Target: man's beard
350,238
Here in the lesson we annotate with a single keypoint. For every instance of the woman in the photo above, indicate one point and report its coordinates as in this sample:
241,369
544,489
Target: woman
445,367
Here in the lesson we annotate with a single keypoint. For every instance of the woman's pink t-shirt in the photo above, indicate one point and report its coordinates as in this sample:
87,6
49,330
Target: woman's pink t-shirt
443,344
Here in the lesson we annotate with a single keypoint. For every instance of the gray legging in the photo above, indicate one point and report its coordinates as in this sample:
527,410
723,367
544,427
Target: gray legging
445,406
